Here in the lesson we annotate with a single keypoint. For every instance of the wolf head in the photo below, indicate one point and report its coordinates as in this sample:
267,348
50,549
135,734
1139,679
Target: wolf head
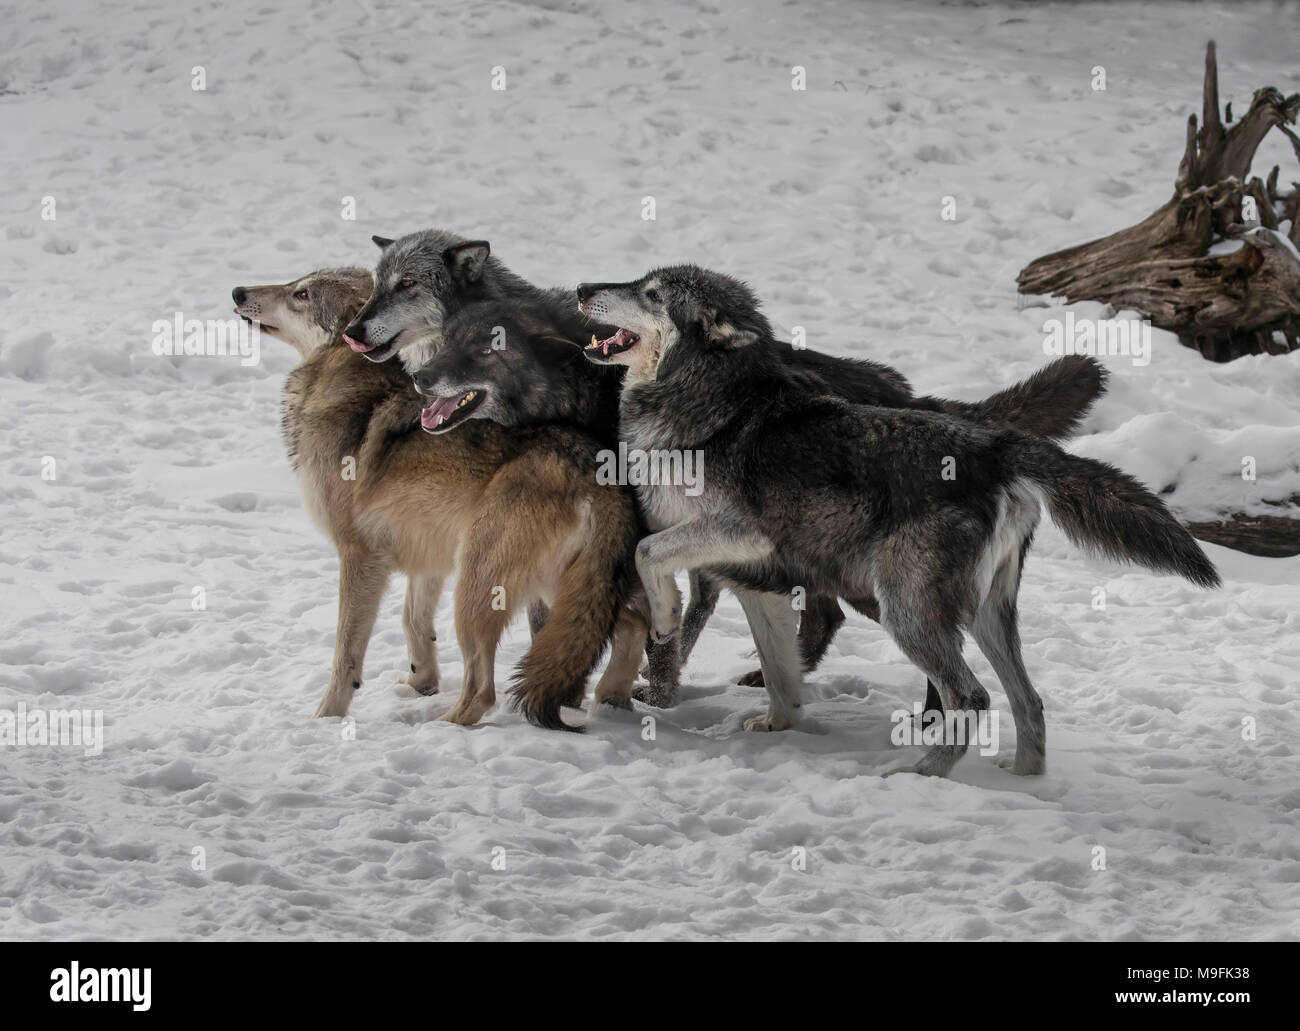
419,279
308,312
681,305
508,363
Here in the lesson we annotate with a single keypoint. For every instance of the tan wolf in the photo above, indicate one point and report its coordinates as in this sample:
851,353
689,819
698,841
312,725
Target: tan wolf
516,512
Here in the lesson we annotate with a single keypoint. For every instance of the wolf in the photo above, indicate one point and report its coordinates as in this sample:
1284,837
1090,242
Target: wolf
425,278
815,492
516,511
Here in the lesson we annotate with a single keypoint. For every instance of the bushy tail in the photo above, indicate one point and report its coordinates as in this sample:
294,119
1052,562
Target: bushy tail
1102,509
592,590
1050,403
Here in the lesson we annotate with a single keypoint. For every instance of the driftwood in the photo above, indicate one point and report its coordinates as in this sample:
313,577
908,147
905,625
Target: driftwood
1267,535
1224,305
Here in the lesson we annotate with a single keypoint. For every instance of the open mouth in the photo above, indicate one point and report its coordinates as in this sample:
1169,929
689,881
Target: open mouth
442,413
375,352
265,326
623,340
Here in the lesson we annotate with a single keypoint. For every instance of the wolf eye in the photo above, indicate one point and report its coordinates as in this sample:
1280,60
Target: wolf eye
407,284
652,296
300,295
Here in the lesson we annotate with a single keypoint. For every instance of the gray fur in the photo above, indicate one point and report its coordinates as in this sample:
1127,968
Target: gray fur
420,279
531,380
850,500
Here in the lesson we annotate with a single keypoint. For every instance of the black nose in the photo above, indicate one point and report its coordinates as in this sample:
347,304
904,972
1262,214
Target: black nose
357,331
424,380
239,293
585,290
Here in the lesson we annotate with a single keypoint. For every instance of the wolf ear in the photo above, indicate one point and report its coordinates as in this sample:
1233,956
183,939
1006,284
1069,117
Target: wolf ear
737,338
466,260
719,331
381,241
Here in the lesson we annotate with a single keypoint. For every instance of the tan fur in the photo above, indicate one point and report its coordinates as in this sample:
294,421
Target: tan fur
517,511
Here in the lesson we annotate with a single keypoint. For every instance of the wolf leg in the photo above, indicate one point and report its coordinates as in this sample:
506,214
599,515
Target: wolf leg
615,684
422,593
709,540
772,621
497,576
362,581
924,627
665,659
817,626
996,632
705,590
662,671
480,621
870,608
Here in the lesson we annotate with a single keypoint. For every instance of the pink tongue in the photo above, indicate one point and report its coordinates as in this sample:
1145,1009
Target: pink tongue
444,406
619,339
357,345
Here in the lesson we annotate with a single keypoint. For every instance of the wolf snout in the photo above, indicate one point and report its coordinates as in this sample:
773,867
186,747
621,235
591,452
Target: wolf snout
425,381
239,294
585,292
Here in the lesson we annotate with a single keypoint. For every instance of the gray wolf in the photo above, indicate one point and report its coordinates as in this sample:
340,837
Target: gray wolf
511,360
515,511
928,514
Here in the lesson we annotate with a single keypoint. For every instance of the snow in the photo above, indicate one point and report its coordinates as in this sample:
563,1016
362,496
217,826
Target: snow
170,475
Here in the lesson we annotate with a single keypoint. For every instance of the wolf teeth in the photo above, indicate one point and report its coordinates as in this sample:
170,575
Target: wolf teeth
467,399
594,341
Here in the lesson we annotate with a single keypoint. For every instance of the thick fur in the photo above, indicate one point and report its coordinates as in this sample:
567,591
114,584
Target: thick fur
1104,510
420,279
517,356
517,511
850,500
1049,404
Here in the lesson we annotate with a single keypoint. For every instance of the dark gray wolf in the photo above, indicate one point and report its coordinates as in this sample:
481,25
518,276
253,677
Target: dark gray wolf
515,511
928,514
425,278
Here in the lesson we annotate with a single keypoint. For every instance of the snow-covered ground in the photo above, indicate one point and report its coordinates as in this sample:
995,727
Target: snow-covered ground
169,474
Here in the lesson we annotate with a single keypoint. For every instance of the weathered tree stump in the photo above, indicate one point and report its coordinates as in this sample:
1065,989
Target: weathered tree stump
1267,535
1224,305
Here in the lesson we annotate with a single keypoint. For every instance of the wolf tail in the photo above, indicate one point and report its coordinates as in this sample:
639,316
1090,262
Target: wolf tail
592,590
1104,510
1050,403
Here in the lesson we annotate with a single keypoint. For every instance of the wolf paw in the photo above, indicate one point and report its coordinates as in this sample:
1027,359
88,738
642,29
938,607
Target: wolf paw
754,678
1029,767
420,683
662,630
766,722
465,715
665,612
335,703
659,696
938,762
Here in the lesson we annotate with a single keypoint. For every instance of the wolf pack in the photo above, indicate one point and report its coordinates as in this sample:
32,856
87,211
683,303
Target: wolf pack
822,480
